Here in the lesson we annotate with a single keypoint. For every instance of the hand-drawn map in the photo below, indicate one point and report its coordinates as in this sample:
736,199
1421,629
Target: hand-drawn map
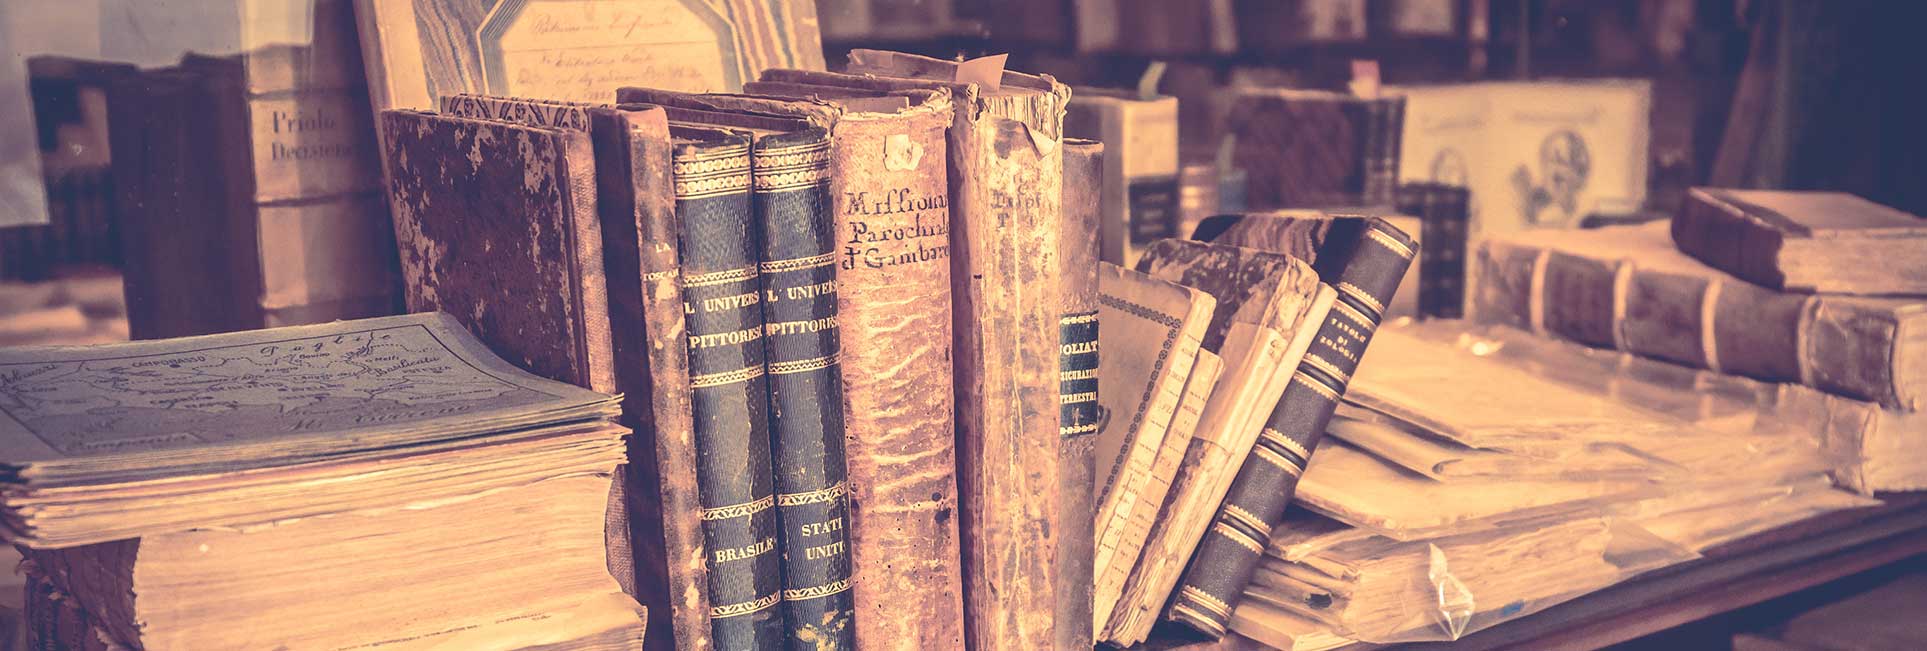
90,401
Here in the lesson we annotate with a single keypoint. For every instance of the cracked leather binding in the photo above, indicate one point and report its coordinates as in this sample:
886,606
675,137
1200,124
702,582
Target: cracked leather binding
729,393
1077,377
1363,259
633,181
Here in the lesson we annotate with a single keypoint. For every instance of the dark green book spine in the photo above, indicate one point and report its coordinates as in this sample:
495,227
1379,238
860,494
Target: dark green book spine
792,203
1229,553
729,396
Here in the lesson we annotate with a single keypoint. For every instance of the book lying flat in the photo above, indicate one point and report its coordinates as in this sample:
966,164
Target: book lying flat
1805,241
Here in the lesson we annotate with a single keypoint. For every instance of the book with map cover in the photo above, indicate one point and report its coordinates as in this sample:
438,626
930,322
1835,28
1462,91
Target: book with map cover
175,488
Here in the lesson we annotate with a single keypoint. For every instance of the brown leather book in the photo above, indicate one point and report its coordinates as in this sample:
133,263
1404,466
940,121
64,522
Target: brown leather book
1627,288
1079,390
644,281
889,181
1805,241
1006,147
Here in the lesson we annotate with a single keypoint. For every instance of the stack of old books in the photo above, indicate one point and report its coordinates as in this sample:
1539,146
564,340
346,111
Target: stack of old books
386,482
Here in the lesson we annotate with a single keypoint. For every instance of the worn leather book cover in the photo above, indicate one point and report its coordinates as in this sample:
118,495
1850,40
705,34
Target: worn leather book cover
1140,191
1444,212
722,291
889,181
576,50
1079,389
1006,156
1263,298
637,208
1153,329
1805,241
1365,278
790,190
1627,288
1306,149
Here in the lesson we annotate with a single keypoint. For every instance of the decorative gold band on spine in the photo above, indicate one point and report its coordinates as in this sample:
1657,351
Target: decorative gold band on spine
761,604
1244,517
1185,611
739,510
802,365
1204,599
1075,319
797,264
792,168
708,380
1370,301
1329,368
1353,314
712,173
723,277
1389,242
1086,428
1309,382
1279,438
1234,535
817,496
817,592
1276,459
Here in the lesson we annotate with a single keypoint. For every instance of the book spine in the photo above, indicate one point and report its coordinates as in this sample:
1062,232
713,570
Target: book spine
729,396
1229,552
798,269
1077,377
892,207
639,229
1443,212
1711,228
1384,126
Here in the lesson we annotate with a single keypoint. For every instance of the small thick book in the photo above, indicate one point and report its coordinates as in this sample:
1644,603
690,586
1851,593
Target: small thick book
890,181
1627,288
1265,301
1827,242
1006,152
1140,188
1363,259
636,205
1154,330
1308,149
790,188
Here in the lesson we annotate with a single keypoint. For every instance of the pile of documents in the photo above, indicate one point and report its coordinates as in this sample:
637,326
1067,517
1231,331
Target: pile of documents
386,482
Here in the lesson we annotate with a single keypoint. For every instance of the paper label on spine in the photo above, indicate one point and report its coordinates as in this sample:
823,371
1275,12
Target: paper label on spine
582,50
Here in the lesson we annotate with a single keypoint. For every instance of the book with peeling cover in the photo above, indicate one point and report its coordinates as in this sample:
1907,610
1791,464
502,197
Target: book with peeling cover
1364,260
1154,329
1628,288
1266,302
1805,241
644,281
889,178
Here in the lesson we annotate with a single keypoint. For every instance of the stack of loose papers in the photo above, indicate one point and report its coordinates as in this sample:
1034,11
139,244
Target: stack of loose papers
385,483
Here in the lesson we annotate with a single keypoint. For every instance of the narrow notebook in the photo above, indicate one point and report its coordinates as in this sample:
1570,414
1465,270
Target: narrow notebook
634,197
1006,147
1154,330
1266,302
721,246
790,157
1079,389
1365,270
1627,288
1805,241
888,175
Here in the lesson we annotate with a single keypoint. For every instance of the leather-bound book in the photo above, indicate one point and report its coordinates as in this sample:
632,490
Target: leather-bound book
1365,266
1006,179
639,226
1153,329
1627,288
1140,187
1079,389
1805,241
889,178
722,291
1307,149
1266,303
1445,218
790,167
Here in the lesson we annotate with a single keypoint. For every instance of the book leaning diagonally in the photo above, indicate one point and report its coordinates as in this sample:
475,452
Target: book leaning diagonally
1264,300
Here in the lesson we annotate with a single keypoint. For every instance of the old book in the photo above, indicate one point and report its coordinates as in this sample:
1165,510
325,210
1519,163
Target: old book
1005,196
1309,149
1805,241
1280,628
1140,185
1263,301
1154,331
1080,390
638,221
1368,267
1444,212
790,187
721,248
419,50
1627,288
888,174
55,622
